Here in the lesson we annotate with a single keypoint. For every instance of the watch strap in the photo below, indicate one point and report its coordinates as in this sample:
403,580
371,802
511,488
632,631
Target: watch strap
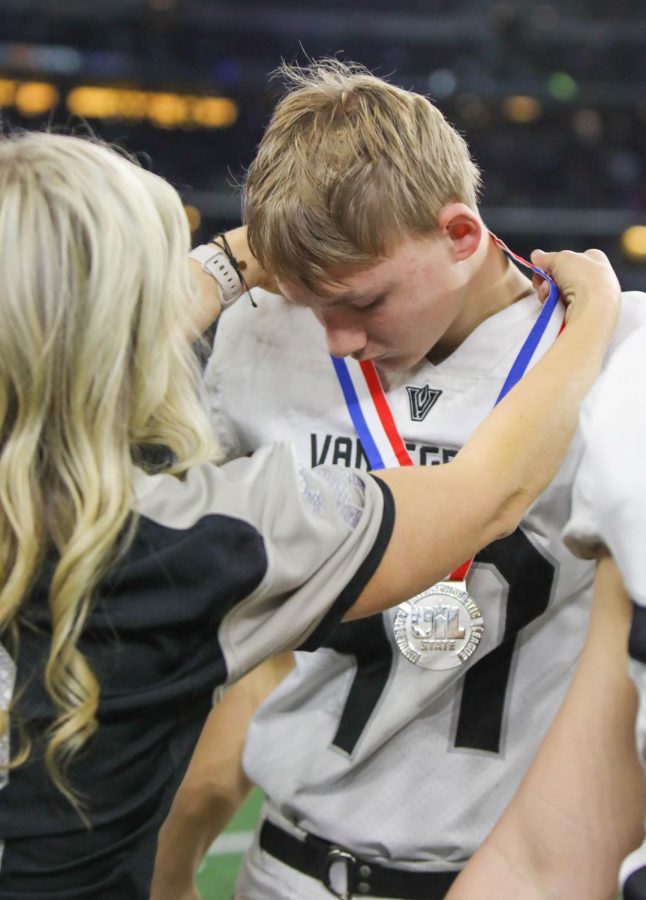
215,262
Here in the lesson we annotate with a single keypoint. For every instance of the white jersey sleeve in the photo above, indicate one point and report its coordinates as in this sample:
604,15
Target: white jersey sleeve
609,514
609,496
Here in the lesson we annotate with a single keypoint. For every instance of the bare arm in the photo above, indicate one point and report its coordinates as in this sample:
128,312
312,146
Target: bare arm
208,297
445,514
580,809
215,784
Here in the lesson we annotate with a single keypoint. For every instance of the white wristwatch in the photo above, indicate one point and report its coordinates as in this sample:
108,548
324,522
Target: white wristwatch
217,264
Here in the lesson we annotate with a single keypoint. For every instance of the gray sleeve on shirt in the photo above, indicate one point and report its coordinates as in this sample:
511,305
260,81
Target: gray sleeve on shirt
324,532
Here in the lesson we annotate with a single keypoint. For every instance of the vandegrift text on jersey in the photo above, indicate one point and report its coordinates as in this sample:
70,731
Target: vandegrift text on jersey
342,450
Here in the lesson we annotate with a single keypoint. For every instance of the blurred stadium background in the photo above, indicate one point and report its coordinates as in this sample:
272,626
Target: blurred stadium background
551,97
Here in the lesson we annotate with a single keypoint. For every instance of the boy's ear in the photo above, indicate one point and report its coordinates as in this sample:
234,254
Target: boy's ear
463,228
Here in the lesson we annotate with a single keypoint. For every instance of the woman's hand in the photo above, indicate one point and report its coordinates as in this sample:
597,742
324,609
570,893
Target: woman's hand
582,278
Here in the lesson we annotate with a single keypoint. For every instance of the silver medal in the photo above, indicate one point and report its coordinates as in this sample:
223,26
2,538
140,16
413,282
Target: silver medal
439,628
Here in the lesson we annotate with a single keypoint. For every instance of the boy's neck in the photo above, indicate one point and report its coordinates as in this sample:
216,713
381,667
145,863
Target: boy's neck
497,283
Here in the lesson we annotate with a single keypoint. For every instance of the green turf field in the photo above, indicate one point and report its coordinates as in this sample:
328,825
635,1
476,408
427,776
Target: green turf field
217,874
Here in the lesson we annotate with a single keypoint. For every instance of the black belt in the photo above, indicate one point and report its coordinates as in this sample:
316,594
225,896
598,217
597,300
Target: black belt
315,857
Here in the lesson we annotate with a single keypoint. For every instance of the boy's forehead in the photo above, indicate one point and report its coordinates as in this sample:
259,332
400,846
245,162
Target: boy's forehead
324,295
346,285
320,295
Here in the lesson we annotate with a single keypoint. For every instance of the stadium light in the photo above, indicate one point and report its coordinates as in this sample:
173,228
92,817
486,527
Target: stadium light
163,109
522,109
633,244
33,98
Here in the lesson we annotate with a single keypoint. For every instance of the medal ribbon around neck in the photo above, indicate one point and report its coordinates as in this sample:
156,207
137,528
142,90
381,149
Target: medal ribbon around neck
373,419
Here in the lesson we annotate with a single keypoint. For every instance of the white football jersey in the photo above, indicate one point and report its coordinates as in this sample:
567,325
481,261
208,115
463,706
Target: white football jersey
407,766
609,511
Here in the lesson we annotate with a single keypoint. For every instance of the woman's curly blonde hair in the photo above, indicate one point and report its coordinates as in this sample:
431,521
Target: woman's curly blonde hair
95,363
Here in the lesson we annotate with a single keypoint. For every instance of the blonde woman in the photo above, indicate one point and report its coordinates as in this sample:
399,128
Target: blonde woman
130,589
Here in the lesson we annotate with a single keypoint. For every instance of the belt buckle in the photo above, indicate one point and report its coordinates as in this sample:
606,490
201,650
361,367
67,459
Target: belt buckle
334,855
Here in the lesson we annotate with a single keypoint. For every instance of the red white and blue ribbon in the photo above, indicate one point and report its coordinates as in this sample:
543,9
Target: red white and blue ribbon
372,417
539,327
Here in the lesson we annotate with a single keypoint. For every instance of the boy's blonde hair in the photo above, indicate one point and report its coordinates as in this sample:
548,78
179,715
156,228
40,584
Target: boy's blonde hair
349,165
95,365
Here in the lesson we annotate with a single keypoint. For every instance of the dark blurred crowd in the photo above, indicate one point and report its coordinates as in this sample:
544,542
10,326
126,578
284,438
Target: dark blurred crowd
549,95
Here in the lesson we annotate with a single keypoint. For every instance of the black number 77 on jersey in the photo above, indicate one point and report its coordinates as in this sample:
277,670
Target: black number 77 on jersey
529,577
